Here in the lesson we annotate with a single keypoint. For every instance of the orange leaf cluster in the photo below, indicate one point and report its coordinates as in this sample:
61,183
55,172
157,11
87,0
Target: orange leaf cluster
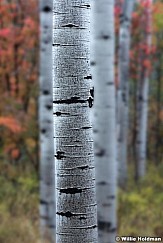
11,123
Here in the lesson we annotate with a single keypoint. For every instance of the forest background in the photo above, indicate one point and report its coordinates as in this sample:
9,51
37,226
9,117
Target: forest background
139,203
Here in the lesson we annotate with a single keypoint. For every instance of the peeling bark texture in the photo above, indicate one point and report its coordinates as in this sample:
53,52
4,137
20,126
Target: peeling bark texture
123,89
102,60
76,214
142,103
47,187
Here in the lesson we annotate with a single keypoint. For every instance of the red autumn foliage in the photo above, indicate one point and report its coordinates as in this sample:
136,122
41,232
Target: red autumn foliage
19,35
11,123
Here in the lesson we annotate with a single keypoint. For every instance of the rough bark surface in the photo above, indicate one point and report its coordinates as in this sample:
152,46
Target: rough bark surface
142,102
123,89
102,62
47,188
72,100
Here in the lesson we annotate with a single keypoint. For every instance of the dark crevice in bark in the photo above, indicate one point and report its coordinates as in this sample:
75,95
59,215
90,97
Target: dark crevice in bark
70,25
71,190
83,6
92,92
60,155
56,44
90,102
101,153
86,5
46,9
92,227
86,127
58,113
88,77
68,214
72,100
83,167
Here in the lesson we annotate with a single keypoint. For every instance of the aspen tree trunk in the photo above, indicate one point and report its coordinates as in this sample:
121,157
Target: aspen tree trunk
75,173
102,62
123,89
142,103
47,188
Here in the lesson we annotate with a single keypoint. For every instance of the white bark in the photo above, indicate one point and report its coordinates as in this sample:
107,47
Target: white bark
142,103
75,172
47,187
102,62
123,89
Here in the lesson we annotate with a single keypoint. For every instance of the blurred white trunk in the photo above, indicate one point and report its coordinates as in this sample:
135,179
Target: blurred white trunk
75,173
142,101
123,89
47,188
102,62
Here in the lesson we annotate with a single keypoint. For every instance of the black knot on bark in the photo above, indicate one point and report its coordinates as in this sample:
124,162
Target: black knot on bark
102,183
88,77
93,63
67,214
70,25
101,153
45,92
71,190
58,113
46,9
56,44
86,5
60,155
49,107
86,127
105,37
90,101
43,202
43,131
92,92
95,130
